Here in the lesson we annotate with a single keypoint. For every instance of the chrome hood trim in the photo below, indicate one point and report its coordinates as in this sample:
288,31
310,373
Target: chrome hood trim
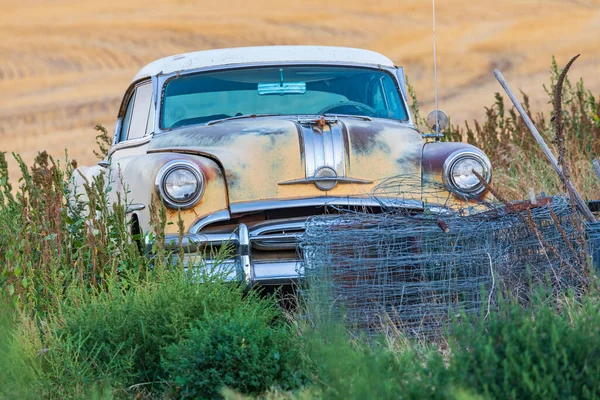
325,201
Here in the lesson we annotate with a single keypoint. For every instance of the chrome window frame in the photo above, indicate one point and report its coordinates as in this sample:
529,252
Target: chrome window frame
397,74
125,102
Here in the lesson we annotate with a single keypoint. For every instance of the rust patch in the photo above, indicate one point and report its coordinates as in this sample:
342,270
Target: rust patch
368,138
363,142
222,134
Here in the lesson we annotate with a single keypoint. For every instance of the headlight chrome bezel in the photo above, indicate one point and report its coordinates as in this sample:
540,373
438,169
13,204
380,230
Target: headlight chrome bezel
451,162
164,172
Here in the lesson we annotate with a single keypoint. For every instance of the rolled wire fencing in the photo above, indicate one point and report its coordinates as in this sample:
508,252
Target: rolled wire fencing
417,269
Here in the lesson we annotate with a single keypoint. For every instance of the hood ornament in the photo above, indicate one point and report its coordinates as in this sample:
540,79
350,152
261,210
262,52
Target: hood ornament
324,154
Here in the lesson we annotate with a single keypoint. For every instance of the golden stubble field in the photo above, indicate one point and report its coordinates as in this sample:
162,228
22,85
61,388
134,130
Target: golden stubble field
64,64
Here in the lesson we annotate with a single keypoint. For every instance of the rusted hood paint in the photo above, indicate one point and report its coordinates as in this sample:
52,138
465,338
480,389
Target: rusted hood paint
260,156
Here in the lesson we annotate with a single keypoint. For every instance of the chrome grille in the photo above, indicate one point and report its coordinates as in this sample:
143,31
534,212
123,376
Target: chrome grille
277,235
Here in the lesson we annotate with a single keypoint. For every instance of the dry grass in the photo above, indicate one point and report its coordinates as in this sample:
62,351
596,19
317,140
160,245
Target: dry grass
65,64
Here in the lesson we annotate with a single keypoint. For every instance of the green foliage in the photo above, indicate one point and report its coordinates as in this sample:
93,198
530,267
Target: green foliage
545,351
419,120
52,242
502,131
119,336
247,350
541,354
347,369
103,141
89,315
19,371
84,314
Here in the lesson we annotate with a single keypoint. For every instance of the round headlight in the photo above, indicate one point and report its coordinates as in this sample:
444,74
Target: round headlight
458,172
180,184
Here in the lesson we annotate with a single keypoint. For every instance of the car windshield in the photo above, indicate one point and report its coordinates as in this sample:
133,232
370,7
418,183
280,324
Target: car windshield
288,90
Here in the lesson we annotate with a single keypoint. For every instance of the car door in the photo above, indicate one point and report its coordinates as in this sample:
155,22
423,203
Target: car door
135,126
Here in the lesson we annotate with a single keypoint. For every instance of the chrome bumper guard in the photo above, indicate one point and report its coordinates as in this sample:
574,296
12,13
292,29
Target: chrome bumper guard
241,267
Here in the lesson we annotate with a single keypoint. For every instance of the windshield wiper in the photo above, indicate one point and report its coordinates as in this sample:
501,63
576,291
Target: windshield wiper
361,117
216,121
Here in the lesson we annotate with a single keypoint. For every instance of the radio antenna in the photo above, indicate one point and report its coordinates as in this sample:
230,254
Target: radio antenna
435,87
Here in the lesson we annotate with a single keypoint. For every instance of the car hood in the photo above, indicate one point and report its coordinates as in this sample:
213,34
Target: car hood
278,158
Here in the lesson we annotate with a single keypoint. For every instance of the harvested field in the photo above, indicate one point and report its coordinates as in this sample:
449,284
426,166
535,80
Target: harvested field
65,64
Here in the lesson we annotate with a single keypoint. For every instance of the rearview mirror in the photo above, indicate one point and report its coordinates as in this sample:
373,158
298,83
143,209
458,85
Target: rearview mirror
437,120
282,88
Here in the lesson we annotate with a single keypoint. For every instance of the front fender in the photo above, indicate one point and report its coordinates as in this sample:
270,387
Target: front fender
137,185
79,178
434,190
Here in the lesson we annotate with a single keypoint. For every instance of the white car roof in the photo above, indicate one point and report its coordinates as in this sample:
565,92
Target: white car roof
261,54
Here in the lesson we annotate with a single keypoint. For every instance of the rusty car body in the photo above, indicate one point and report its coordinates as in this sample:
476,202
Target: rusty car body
243,145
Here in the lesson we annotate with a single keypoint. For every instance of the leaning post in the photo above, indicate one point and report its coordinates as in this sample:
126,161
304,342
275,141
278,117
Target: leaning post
579,202
596,165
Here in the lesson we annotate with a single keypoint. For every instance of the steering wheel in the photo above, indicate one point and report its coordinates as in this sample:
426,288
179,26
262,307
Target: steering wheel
355,104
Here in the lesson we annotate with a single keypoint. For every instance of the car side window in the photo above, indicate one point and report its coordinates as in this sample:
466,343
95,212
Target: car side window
137,115
127,119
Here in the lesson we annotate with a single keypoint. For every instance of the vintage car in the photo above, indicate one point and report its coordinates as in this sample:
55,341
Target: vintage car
243,145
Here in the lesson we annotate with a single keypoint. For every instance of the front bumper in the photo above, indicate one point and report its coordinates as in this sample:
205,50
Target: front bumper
264,251
239,263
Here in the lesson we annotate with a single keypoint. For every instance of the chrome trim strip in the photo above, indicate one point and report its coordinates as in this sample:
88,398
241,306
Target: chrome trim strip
337,149
278,273
328,148
128,144
323,147
277,234
335,179
222,215
134,207
277,225
310,150
255,206
194,243
244,250
282,242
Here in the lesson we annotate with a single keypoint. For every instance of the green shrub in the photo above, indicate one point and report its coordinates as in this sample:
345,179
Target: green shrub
247,350
118,335
525,354
549,350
